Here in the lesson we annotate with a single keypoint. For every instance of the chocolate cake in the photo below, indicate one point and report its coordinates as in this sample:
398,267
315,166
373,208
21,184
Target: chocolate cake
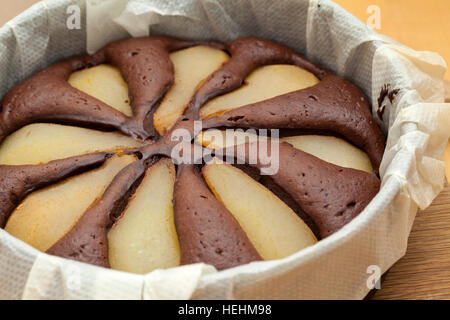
134,209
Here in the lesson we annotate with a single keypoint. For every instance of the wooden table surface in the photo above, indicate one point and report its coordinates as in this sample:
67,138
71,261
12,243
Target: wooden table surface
424,273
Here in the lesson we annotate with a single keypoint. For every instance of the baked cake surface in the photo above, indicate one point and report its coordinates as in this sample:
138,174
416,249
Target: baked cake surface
86,169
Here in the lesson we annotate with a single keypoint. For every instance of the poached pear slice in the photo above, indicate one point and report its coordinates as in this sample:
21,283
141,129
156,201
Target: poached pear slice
44,142
144,238
328,148
105,83
192,66
273,228
264,83
46,215
333,150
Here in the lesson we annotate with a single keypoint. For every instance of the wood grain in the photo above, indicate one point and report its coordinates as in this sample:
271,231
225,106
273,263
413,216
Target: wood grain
424,273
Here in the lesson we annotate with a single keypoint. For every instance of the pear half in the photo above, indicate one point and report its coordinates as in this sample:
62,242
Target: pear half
328,148
44,142
104,82
264,83
46,215
218,139
144,238
272,227
192,66
331,149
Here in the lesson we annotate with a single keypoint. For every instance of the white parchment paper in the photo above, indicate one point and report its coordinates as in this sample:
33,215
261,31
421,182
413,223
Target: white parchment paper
417,123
